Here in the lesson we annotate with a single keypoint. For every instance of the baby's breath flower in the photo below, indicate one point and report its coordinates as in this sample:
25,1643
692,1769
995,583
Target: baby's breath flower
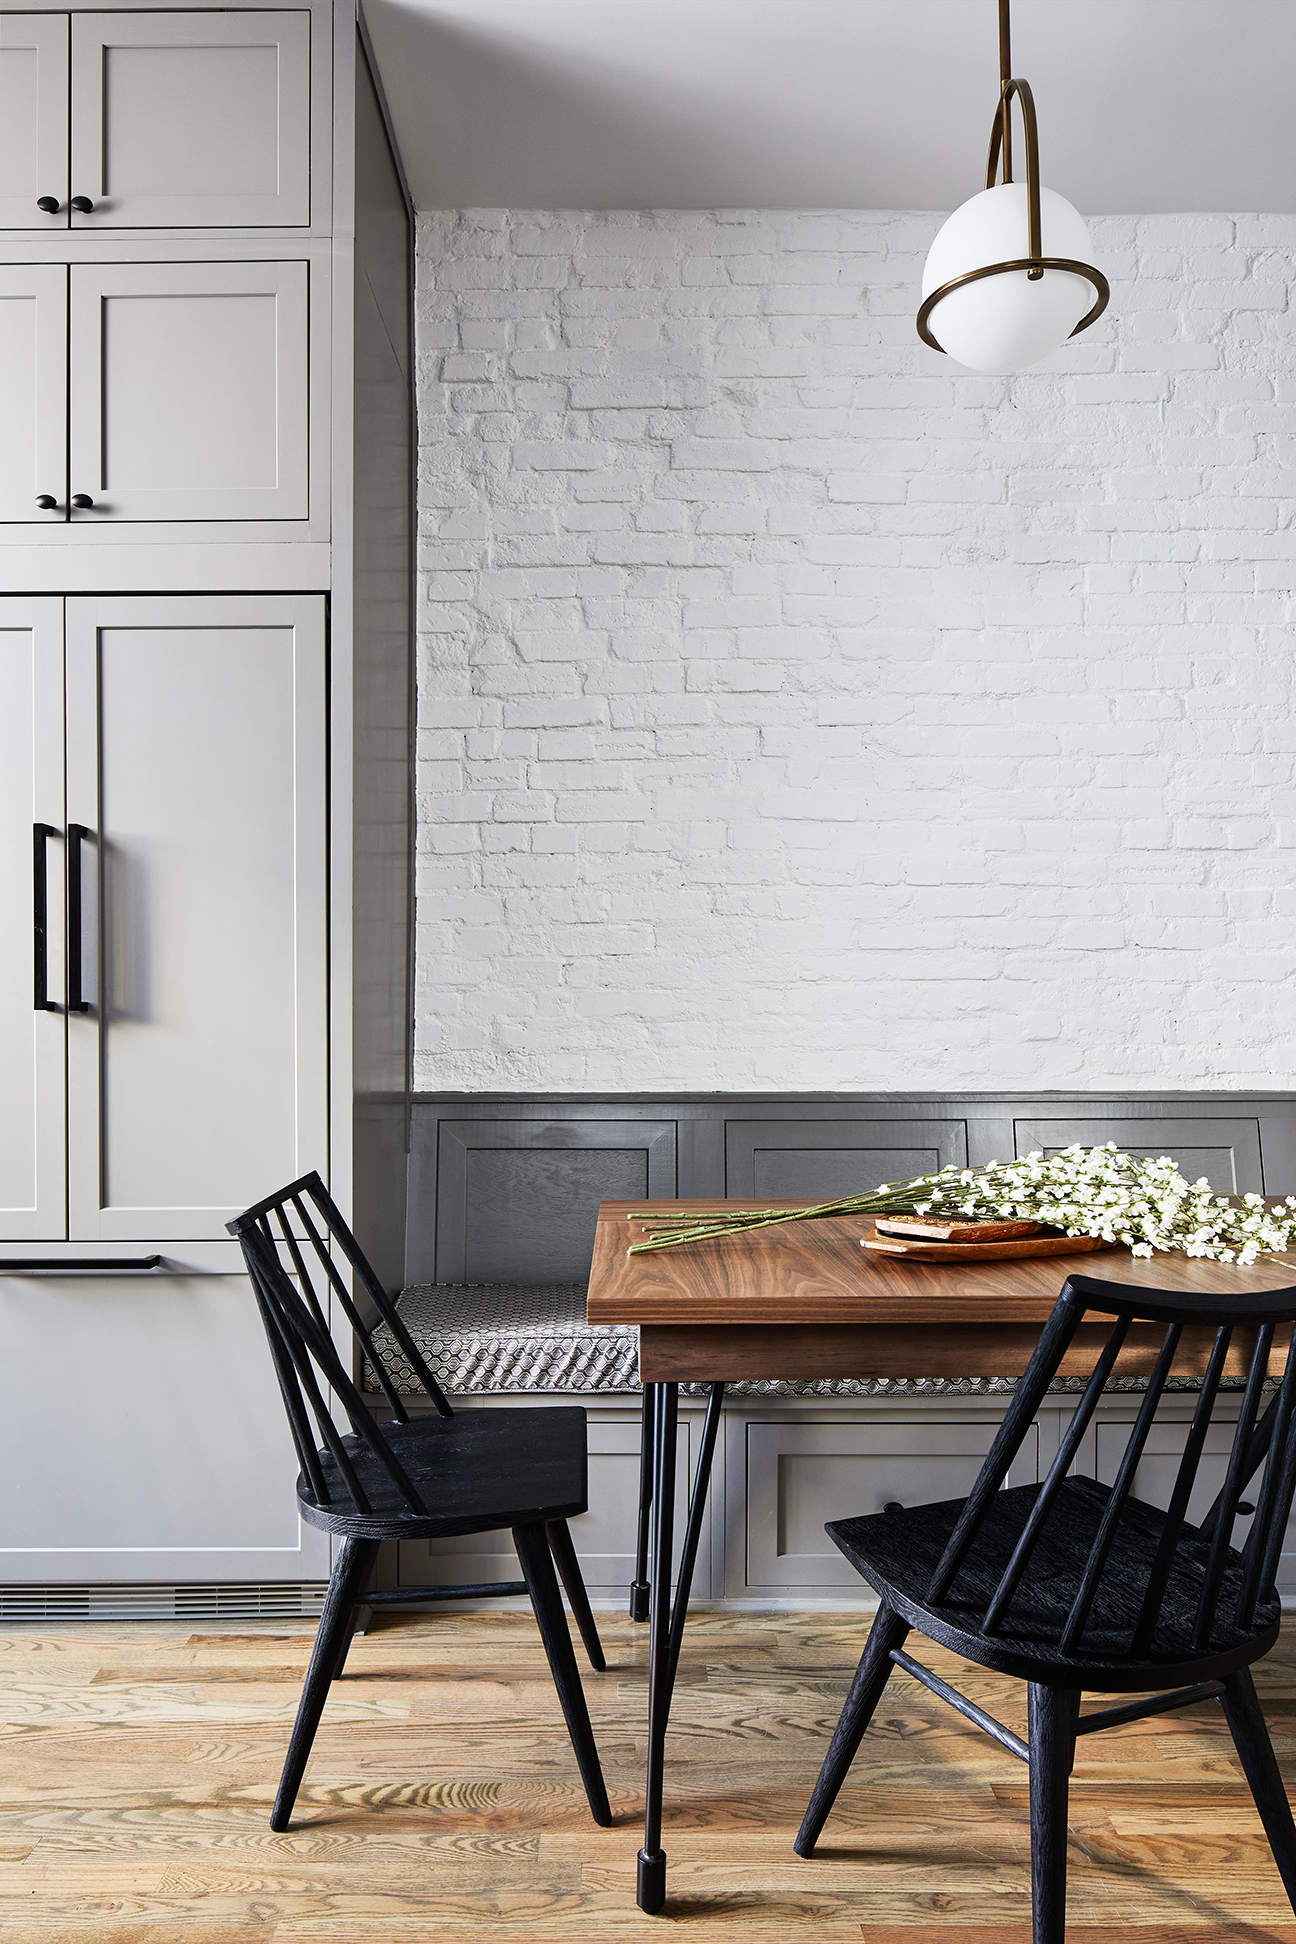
1130,1198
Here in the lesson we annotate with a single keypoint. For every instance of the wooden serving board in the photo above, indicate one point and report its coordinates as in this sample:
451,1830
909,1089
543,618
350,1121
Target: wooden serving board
925,1228
1033,1245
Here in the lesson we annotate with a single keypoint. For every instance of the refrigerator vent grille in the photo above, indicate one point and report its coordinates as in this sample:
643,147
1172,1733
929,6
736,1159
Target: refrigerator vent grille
293,1600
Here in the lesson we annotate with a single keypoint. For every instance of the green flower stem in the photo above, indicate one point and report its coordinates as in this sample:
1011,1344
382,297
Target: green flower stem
703,1228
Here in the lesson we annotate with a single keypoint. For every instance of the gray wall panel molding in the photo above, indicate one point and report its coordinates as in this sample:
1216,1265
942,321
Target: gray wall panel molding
1226,1151
505,1188
779,1157
517,1199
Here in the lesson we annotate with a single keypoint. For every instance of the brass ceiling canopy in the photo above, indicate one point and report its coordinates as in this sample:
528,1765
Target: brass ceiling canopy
972,229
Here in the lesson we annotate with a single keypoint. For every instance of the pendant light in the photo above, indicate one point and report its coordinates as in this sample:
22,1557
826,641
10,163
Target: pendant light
991,297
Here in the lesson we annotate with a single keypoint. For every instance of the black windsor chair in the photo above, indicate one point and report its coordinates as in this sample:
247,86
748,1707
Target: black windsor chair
424,1477
1073,1586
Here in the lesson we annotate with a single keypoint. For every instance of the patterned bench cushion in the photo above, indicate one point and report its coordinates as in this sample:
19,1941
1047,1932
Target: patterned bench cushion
499,1337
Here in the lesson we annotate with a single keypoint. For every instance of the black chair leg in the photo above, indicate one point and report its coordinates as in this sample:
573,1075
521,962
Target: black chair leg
639,1587
348,1637
1242,1711
1052,1713
888,1632
333,1636
538,1569
569,1572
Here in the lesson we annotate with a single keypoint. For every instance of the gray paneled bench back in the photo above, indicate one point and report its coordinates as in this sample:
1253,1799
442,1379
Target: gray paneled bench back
504,1194
506,1190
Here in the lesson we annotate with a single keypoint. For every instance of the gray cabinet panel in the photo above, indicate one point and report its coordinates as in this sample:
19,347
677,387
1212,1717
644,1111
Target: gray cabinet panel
181,1467
1154,1479
604,1536
517,1200
1226,1151
189,120
33,392
801,1474
33,120
821,1159
196,756
189,390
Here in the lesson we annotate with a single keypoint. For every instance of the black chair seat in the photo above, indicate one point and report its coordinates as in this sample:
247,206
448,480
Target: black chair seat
482,1470
898,1553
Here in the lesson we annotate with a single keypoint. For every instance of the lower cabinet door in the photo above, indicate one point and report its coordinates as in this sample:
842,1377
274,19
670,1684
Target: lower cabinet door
798,1475
144,1436
1157,1469
604,1536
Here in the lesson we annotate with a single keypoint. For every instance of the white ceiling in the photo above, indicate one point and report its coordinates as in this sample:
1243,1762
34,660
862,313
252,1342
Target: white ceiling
1144,105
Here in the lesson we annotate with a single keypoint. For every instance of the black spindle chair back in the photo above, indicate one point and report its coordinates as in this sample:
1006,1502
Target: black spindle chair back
303,1224
1267,1441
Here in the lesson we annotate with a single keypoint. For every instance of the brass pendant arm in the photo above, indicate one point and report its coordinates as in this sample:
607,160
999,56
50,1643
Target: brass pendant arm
1032,266
1001,136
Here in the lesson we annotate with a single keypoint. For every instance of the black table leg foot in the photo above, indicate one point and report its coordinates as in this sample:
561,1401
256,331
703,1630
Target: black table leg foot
639,1587
652,1881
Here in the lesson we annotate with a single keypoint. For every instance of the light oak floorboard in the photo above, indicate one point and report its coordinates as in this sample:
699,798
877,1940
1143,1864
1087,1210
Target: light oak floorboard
138,1763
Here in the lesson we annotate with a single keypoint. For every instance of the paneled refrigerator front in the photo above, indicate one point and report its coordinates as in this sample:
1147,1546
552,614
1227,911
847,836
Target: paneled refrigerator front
164,1043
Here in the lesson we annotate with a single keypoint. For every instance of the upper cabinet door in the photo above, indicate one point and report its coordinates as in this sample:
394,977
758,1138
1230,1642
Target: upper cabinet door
33,121
190,120
32,1020
197,766
189,391
33,391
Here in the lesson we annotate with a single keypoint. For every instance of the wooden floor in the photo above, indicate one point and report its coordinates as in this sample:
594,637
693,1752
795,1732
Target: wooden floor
138,1764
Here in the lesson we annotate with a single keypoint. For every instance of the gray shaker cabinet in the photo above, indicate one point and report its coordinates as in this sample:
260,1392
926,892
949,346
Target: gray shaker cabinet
204,703
181,120
153,392
188,391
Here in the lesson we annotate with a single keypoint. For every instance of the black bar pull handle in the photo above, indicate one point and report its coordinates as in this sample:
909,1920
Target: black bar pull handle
77,834
104,1265
41,832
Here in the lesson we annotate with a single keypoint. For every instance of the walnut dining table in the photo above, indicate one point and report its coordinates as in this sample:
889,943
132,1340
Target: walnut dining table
807,1301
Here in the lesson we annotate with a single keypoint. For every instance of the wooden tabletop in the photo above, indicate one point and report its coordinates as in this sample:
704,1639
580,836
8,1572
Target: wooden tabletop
806,1300
816,1272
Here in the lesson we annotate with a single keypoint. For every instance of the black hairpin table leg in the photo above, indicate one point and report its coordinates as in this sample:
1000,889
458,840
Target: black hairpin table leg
667,1627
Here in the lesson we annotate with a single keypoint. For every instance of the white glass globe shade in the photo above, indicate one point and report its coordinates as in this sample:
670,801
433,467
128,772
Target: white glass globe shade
1002,323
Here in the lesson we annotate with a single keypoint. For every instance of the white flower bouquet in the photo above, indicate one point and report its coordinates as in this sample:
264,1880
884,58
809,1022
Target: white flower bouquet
1125,1198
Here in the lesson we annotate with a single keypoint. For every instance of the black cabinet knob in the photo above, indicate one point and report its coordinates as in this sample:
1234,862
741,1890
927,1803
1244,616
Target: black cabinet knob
81,204
82,499
46,502
50,204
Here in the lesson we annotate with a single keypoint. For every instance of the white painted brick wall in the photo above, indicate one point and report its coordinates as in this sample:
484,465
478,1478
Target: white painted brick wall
800,711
